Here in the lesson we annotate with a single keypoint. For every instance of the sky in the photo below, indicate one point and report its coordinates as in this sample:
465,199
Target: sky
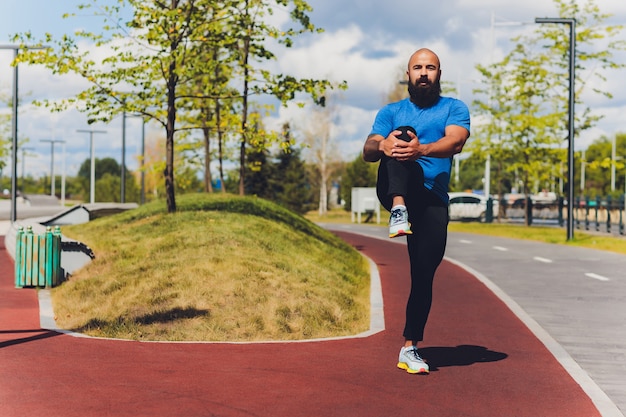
365,43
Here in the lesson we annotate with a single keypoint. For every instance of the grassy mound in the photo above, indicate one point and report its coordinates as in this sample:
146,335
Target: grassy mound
222,268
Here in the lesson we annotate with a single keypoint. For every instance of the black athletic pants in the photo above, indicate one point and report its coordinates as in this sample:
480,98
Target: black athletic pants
428,216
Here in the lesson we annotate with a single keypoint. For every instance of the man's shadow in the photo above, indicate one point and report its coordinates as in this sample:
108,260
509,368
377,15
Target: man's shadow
462,355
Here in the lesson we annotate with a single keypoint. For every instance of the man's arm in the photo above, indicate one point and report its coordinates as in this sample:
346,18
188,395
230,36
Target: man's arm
451,144
373,149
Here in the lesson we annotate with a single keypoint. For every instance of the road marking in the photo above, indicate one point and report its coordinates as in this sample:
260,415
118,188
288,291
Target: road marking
500,248
596,276
465,241
544,260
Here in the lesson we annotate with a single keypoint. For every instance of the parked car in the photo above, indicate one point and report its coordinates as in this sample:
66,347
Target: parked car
469,206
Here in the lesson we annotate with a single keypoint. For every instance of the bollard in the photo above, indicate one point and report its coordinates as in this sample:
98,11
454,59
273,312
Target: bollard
621,217
489,211
598,202
587,213
608,214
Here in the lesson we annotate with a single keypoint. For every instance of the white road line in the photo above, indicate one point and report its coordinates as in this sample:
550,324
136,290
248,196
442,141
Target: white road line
465,241
596,276
544,260
500,248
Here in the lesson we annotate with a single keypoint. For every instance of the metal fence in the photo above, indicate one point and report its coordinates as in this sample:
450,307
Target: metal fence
601,214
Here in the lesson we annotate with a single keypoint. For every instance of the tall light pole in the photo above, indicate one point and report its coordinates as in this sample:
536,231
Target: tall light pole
92,171
570,123
52,143
15,100
123,173
143,162
143,152
24,149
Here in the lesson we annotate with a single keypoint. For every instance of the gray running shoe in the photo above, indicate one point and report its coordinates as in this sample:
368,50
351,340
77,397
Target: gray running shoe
399,222
411,361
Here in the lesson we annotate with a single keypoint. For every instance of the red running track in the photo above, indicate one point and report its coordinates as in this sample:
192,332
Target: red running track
484,363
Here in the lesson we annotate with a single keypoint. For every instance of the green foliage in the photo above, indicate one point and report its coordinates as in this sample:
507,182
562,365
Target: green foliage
290,182
175,63
358,174
108,176
281,178
259,173
525,96
102,166
598,166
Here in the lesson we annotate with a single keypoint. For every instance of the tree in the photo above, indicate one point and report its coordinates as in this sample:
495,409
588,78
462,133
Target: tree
358,174
321,149
290,183
259,173
252,30
104,190
525,104
599,163
155,60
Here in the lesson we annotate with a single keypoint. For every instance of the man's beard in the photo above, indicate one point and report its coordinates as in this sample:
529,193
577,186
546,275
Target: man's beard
425,96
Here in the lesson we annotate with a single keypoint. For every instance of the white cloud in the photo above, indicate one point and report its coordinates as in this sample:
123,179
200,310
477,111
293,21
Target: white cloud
365,43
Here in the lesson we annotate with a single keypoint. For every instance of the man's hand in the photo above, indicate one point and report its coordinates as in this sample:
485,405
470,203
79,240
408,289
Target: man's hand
400,149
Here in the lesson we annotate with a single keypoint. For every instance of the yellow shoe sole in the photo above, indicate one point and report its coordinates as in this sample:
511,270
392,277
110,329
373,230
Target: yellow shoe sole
404,366
400,233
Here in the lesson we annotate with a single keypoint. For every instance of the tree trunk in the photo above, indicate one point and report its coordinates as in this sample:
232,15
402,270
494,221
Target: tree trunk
170,190
208,181
220,135
244,117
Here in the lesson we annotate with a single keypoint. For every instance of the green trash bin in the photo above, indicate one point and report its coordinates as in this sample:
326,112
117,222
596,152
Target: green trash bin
38,258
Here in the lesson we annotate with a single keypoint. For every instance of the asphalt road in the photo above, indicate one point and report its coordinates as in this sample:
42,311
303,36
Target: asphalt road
574,299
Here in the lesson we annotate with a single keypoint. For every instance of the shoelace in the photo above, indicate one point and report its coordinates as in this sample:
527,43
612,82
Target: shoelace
413,353
396,215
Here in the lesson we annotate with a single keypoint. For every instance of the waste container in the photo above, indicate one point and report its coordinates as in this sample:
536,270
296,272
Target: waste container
38,258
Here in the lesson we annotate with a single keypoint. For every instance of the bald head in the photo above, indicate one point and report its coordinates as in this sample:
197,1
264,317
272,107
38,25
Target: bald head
424,54
424,72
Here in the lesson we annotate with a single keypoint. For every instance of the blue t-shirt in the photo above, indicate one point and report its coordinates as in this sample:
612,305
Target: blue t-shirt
430,124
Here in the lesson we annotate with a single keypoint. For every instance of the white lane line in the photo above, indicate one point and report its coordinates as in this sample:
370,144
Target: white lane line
544,260
500,248
465,241
596,276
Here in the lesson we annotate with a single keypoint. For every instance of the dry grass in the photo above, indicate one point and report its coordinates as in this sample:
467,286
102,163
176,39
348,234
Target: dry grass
222,268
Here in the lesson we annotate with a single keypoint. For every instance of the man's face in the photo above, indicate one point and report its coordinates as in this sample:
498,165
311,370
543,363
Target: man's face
424,74
423,70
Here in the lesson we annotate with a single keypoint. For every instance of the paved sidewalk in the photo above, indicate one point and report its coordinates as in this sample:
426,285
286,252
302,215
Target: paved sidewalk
485,362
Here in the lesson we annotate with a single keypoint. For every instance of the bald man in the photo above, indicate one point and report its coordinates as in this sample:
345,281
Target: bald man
414,139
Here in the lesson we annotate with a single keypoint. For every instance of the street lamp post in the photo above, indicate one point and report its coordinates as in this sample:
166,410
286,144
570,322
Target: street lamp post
92,171
123,173
24,149
570,123
143,157
52,143
143,151
15,100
